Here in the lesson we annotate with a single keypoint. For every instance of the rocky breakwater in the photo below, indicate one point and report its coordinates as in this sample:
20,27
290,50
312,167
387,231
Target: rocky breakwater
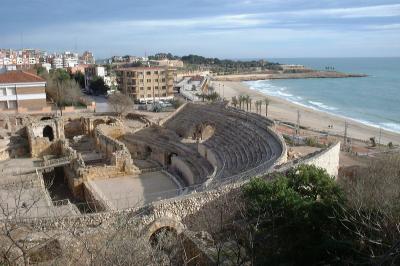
304,75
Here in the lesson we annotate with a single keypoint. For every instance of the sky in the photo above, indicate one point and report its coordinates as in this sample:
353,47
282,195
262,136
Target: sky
215,28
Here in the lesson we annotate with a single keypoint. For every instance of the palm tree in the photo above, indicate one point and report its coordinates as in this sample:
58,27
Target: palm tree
247,99
258,105
241,101
250,103
267,102
234,101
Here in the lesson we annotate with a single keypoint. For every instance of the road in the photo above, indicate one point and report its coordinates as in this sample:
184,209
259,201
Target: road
101,103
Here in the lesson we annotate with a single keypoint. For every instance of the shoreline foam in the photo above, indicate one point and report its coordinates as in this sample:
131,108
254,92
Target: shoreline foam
322,107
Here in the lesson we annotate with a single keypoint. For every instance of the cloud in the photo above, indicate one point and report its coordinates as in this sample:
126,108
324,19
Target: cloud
384,27
352,12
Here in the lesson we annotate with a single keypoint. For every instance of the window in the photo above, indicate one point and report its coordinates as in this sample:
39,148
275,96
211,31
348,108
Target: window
149,88
164,94
148,73
156,72
156,80
162,72
163,80
3,92
12,105
164,87
141,81
156,95
156,87
148,95
141,88
148,80
10,91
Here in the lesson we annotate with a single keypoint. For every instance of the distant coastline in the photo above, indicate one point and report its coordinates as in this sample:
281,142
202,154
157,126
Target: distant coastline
303,75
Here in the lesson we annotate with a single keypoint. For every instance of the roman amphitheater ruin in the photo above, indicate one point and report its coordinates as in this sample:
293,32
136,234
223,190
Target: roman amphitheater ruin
92,168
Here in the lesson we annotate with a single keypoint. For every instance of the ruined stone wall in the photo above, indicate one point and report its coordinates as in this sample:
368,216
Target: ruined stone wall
38,144
100,172
136,150
115,150
209,155
158,156
73,127
95,199
186,208
180,165
13,149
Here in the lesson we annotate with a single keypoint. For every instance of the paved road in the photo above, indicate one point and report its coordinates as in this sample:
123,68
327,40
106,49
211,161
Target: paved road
101,103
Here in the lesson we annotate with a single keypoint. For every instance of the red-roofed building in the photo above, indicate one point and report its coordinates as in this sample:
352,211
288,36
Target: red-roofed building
22,91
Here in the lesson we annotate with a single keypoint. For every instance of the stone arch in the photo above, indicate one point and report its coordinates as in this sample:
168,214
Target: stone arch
45,118
48,132
168,159
203,131
164,223
207,131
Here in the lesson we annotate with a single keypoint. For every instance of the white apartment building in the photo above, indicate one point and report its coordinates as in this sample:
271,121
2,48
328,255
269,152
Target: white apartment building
92,72
57,62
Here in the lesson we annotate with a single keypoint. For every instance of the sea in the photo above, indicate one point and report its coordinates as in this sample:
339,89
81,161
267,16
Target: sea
372,100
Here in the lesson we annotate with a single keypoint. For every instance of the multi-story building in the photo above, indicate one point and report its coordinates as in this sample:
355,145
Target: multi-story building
70,59
147,84
87,58
22,90
57,62
93,71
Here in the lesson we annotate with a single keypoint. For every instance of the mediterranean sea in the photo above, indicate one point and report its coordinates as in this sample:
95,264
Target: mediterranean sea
373,100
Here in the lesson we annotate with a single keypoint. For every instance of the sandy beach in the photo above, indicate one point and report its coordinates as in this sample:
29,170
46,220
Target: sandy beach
283,110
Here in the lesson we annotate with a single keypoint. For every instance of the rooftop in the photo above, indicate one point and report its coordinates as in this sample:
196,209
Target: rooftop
19,77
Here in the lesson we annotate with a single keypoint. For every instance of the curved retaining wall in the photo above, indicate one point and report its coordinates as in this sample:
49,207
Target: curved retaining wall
328,159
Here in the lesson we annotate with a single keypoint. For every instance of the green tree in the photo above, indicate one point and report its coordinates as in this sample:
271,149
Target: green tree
79,77
266,102
98,86
247,100
40,71
291,218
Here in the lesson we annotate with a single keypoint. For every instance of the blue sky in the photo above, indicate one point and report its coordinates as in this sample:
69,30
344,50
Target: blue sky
220,28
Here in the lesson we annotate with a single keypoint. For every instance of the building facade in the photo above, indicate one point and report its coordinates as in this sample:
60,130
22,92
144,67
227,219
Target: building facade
92,72
146,84
87,58
22,90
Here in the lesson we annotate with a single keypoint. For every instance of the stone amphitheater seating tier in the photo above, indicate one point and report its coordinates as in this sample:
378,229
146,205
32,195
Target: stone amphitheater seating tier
240,139
242,142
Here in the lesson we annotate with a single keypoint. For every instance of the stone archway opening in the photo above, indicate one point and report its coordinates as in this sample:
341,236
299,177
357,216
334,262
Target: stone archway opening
169,158
48,132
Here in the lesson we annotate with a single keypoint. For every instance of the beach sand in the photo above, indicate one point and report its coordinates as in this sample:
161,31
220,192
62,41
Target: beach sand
280,109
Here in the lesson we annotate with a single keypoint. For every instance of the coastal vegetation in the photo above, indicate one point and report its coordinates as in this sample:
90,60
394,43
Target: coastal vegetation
304,217
219,66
